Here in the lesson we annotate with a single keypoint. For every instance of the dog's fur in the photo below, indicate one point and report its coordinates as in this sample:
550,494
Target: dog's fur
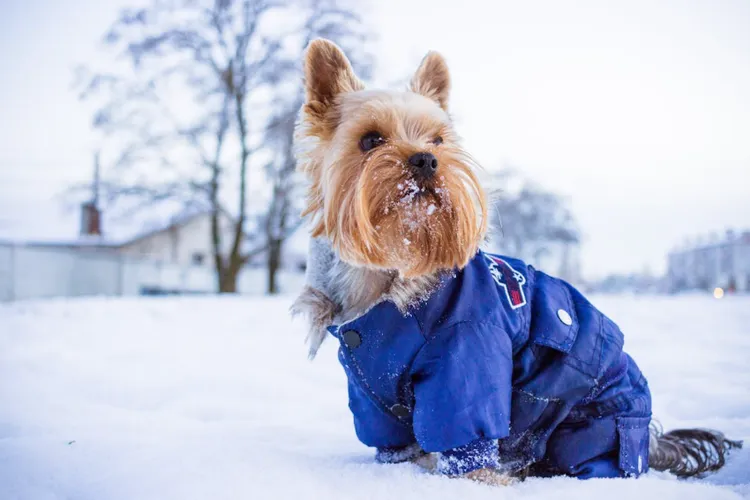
380,232
371,208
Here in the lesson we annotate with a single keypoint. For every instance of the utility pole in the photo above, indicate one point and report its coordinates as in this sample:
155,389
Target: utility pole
97,180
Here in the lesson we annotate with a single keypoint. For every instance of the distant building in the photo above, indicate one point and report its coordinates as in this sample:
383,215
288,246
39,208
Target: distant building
713,263
183,241
633,283
176,257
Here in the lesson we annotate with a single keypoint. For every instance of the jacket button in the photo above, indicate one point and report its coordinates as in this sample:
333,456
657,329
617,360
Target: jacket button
400,411
563,315
352,339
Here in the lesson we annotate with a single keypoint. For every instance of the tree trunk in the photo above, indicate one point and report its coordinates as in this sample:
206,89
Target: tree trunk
274,262
216,239
219,267
235,259
228,281
231,274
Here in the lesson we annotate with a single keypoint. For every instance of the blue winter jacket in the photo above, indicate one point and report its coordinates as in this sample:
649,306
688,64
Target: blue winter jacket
503,366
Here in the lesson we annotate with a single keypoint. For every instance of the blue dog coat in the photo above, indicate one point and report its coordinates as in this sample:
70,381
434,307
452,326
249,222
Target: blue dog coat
503,366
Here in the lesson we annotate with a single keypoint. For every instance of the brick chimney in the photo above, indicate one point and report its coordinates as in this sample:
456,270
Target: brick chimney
91,216
91,219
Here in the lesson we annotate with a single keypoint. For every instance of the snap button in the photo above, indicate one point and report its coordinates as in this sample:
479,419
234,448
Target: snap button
400,411
563,315
352,339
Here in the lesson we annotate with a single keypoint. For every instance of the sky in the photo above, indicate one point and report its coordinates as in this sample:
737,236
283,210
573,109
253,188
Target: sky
638,111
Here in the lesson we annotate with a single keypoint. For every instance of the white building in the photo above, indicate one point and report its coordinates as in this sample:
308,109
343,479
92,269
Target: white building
718,262
176,257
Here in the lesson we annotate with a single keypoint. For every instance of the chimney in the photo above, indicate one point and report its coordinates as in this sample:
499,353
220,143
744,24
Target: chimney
91,216
91,219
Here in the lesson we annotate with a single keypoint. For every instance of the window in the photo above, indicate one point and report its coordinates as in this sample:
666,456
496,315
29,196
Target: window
198,258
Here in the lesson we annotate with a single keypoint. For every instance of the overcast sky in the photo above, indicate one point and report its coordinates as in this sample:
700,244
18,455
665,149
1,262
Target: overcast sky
637,110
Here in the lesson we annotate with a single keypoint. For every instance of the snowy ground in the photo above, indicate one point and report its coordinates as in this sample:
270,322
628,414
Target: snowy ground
206,398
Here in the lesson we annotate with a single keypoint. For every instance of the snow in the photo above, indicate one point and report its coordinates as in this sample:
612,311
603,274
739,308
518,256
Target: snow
214,398
416,211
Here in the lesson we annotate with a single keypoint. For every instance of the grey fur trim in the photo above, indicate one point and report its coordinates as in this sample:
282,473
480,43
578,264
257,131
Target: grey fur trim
337,292
315,302
320,260
320,312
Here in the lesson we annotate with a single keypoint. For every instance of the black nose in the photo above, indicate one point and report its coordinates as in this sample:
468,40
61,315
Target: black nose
423,164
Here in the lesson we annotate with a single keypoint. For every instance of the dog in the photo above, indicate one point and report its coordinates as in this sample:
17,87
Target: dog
467,363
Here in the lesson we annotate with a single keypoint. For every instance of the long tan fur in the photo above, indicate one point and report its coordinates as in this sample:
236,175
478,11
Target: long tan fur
368,204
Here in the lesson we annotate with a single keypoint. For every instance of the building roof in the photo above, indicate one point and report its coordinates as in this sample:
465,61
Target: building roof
729,238
169,225
61,229
56,230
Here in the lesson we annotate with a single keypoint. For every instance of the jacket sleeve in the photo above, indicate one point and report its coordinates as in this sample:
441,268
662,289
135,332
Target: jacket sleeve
462,392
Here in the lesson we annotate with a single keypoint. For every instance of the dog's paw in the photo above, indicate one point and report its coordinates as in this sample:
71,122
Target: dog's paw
427,461
491,477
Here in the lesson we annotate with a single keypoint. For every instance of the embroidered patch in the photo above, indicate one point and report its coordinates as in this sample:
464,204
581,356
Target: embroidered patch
511,280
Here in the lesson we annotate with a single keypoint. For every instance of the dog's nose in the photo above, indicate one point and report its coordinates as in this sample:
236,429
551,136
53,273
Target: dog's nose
423,164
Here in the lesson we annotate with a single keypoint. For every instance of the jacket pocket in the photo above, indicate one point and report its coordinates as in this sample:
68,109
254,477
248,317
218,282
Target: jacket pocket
554,322
633,434
564,321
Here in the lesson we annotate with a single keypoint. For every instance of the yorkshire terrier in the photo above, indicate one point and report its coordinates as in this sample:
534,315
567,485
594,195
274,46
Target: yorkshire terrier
467,363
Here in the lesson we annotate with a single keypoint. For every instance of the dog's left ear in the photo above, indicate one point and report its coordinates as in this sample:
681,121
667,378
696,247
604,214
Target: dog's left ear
432,79
328,73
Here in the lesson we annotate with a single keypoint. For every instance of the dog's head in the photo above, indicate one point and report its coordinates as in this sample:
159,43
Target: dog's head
390,185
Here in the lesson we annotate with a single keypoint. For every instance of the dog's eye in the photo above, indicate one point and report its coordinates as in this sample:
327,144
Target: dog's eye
437,141
370,140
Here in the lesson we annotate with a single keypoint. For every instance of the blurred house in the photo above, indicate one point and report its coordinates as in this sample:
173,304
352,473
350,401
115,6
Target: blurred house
633,283
185,241
713,263
175,257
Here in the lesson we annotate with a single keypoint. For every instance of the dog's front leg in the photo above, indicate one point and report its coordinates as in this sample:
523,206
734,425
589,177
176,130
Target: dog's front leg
429,461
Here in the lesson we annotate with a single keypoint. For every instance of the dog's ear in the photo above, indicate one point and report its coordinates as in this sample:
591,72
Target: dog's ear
328,73
432,79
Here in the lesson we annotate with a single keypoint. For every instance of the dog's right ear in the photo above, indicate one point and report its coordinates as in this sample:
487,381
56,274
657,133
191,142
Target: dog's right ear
328,73
432,79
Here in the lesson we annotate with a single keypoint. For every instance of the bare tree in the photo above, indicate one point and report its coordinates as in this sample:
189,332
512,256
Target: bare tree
281,218
530,223
189,115
179,115
326,19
